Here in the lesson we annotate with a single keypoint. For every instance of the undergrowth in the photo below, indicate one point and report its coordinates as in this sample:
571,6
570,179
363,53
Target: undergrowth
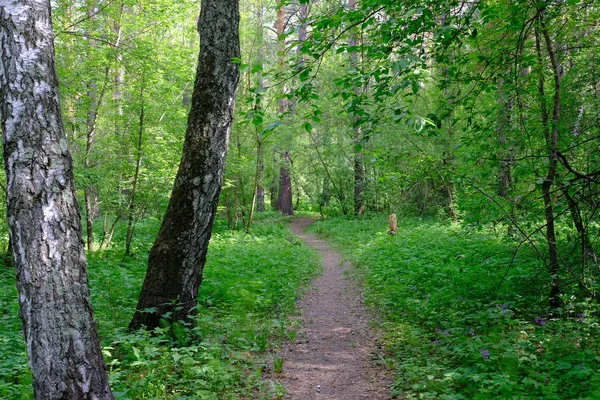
251,282
464,315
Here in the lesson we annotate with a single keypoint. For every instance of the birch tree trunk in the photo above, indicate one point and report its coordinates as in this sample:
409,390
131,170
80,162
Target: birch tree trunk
179,252
43,216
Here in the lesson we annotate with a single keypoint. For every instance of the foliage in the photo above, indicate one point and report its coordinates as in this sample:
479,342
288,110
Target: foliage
249,292
447,97
464,313
15,377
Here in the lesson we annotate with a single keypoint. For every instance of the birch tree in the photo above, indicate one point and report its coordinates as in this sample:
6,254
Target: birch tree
43,215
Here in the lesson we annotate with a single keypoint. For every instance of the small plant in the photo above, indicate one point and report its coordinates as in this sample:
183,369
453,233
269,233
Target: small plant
277,365
278,390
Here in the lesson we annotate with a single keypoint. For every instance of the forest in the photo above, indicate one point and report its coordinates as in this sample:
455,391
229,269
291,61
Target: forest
165,157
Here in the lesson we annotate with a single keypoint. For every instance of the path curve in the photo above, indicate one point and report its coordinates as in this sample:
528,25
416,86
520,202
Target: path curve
333,355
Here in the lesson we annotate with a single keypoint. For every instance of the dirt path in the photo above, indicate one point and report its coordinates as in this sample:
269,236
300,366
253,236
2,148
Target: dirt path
333,356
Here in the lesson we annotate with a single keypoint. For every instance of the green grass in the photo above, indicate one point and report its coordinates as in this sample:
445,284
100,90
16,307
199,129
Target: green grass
464,316
251,283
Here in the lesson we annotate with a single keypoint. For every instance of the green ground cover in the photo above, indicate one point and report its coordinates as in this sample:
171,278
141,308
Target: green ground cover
250,286
464,316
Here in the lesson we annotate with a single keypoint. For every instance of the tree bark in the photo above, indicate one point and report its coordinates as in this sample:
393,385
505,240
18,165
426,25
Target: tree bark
131,204
284,201
506,150
260,190
179,252
44,221
280,27
258,199
550,127
359,168
95,97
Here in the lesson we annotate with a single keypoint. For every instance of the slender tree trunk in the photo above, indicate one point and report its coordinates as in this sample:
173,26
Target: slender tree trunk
179,252
95,97
131,206
328,180
44,221
506,151
550,127
359,167
279,28
275,182
257,179
108,232
260,190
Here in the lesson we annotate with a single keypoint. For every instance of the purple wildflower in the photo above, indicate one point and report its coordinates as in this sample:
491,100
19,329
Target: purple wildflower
471,332
540,321
446,332
484,353
438,330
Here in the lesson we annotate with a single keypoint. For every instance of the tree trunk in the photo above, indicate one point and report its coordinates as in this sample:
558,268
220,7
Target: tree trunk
506,151
179,252
257,190
43,216
131,204
260,190
284,200
96,97
280,27
260,199
89,192
328,180
550,127
359,168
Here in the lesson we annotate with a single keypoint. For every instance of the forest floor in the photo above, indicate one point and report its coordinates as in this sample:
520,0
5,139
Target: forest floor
335,352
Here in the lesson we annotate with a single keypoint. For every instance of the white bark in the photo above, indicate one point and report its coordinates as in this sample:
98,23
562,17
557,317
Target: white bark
43,216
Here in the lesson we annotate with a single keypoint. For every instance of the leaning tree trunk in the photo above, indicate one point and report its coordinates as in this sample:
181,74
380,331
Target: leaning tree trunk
179,252
43,216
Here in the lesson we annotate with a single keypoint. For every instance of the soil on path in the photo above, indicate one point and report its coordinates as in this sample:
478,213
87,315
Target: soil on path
335,350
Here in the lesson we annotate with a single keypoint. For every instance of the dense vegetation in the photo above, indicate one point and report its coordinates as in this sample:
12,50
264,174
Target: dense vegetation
476,122
247,298
464,315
